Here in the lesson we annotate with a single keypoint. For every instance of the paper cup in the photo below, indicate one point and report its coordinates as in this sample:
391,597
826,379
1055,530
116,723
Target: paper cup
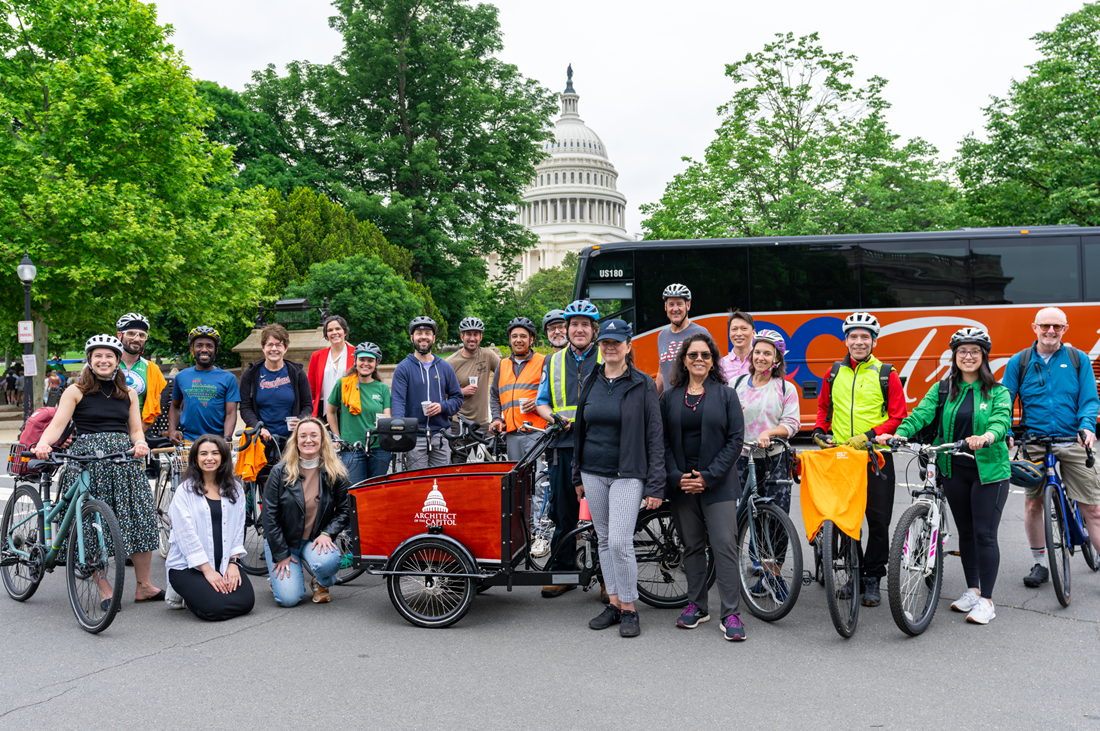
291,422
473,380
424,406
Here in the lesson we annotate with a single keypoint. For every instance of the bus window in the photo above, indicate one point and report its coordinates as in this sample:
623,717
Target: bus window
1091,245
1016,271
804,277
611,284
904,274
715,276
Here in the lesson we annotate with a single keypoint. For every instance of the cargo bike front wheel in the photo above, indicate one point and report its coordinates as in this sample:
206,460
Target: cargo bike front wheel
438,589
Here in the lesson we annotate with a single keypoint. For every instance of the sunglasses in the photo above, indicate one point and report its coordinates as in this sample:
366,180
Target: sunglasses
698,356
1055,328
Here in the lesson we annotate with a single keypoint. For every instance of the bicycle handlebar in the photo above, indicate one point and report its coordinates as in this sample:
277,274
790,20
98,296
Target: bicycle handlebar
774,441
954,448
57,458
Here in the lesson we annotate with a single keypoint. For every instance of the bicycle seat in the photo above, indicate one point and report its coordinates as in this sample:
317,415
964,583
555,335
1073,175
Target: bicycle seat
158,442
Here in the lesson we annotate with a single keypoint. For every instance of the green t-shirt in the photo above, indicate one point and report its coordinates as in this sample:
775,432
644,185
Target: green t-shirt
373,398
137,378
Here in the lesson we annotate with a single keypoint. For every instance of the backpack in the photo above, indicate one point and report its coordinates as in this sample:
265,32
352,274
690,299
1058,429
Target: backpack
1025,361
30,435
933,429
883,382
743,376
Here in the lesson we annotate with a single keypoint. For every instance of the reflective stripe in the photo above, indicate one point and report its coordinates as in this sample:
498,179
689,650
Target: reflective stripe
558,400
512,392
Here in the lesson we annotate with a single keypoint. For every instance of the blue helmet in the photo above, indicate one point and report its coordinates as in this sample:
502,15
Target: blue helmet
581,308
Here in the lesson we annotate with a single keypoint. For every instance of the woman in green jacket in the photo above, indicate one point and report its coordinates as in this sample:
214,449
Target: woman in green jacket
978,410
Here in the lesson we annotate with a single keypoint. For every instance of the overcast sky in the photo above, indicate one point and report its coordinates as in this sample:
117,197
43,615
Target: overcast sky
651,74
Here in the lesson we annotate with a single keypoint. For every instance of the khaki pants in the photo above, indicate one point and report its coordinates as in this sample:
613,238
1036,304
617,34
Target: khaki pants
1082,483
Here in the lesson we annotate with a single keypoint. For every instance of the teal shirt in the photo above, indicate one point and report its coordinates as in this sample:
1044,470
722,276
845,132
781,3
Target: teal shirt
992,414
374,397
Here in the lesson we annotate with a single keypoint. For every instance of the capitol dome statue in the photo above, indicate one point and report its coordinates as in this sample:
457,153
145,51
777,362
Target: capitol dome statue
573,201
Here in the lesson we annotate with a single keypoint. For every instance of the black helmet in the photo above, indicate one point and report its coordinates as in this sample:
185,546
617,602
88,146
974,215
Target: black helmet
204,331
1027,474
551,317
422,321
524,323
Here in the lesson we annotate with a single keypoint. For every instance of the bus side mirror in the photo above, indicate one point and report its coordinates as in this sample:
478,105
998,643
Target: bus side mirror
809,389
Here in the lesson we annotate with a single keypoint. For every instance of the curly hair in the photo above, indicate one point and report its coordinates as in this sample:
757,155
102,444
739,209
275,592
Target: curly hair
680,375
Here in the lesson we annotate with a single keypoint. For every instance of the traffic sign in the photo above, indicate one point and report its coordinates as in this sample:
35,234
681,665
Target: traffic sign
26,331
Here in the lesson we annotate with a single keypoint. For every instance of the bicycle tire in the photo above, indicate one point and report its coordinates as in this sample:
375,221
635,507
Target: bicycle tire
351,573
659,553
102,556
840,559
437,600
162,501
253,562
1087,549
913,598
772,542
21,579
1058,546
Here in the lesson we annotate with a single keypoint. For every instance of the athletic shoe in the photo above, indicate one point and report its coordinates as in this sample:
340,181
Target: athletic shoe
552,590
1039,575
692,617
981,613
608,617
966,602
733,629
320,593
771,585
871,596
540,547
845,592
174,600
629,626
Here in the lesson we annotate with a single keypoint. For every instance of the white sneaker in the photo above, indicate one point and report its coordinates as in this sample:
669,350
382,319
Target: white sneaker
966,602
172,599
982,613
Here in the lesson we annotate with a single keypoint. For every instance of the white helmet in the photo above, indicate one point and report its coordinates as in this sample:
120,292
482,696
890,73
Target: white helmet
677,290
864,320
103,341
973,335
132,321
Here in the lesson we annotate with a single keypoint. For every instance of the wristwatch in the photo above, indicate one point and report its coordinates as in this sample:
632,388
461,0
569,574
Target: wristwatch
237,561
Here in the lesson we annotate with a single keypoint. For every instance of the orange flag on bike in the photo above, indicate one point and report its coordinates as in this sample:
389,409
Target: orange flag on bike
834,487
250,459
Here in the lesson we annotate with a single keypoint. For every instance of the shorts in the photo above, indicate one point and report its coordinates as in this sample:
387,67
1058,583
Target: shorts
1082,483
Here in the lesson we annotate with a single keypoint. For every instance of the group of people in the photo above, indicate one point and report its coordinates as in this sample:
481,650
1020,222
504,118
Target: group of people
629,441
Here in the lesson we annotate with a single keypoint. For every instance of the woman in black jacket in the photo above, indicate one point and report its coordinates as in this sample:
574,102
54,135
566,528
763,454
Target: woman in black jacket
703,423
618,457
314,477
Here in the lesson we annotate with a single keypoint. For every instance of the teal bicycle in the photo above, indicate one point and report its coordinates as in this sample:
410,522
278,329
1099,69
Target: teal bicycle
78,532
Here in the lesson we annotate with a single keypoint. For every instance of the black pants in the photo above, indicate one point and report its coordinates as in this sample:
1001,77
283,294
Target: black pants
977,511
698,523
880,507
206,603
564,506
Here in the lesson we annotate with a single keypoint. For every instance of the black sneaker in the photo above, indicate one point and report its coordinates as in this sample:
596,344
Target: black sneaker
629,626
610,616
1039,575
845,592
871,596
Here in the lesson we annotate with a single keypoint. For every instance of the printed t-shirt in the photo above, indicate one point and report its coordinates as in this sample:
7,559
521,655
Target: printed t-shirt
274,399
668,347
483,365
374,397
204,395
137,378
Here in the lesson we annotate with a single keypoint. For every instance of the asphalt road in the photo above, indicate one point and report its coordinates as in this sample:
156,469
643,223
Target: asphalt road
519,661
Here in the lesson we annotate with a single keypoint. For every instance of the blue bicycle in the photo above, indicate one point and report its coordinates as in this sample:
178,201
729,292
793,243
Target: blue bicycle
1065,531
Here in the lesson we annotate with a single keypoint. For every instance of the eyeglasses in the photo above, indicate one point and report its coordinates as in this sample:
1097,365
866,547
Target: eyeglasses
698,356
1055,328
970,354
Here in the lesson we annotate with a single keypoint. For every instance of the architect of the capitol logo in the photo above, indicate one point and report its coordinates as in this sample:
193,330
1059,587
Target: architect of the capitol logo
435,510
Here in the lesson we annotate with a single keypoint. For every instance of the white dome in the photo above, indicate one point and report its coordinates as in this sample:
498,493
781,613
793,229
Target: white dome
573,137
435,502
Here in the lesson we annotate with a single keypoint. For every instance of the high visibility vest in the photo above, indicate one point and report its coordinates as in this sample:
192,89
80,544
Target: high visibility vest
514,389
566,376
857,399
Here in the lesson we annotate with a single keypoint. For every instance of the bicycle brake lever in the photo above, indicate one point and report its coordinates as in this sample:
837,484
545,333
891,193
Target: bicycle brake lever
1090,458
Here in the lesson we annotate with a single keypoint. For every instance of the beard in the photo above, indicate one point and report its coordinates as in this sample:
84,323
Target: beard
559,342
134,348
423,347
205,359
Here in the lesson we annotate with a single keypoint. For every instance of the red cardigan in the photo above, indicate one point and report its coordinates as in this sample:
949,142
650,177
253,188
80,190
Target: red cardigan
316,374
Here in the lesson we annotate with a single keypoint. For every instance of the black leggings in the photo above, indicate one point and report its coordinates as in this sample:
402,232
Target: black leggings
977,510
206,603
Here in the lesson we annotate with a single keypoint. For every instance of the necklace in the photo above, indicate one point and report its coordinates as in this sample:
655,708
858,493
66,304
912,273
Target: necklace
694,406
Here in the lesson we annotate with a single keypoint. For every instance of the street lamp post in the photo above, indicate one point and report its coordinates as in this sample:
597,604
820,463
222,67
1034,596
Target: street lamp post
27,272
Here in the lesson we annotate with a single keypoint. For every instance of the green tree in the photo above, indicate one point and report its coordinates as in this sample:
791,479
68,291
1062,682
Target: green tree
801,150
1040,163
375,300
545,290
424,132
106,178
552,288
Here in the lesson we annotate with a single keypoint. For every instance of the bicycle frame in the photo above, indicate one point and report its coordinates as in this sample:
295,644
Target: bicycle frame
1078,533
71,502
751,496
931,495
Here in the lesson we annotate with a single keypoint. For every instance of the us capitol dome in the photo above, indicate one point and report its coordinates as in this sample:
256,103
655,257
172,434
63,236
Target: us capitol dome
573,201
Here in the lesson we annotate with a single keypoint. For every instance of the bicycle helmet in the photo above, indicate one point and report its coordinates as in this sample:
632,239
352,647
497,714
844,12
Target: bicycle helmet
551,317
204,331
1027,474
864,320
581,308
471,323
524,323
677,290
132,321
422,321
368,349
102,341
773,337
974,336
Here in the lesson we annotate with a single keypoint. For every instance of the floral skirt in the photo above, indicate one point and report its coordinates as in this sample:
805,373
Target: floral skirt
124,487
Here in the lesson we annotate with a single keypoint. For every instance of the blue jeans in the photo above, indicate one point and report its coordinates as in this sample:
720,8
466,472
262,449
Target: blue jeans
291,590
361,467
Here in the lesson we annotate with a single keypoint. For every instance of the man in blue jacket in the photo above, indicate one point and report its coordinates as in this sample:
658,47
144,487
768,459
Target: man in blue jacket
426,387
1058,398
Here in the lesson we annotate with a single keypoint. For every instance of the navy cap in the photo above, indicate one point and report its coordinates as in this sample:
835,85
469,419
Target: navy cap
614,330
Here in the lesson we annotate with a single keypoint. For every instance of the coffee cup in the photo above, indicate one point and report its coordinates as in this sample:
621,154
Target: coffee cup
424,406
473,380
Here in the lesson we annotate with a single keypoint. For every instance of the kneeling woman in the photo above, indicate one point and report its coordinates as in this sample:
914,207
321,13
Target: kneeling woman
305,505
978,409
208,536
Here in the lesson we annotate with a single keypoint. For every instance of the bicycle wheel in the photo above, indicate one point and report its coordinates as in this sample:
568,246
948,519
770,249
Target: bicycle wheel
437,599
1088,550
26,532
915,571
840,560
1058,545
100,572
253,562
770,562
348,572
162,500
660,555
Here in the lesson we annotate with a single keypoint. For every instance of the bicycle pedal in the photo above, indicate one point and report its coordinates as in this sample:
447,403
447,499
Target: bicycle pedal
807,578
953,553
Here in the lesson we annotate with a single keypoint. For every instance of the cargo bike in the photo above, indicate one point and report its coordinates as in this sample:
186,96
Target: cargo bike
442,535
